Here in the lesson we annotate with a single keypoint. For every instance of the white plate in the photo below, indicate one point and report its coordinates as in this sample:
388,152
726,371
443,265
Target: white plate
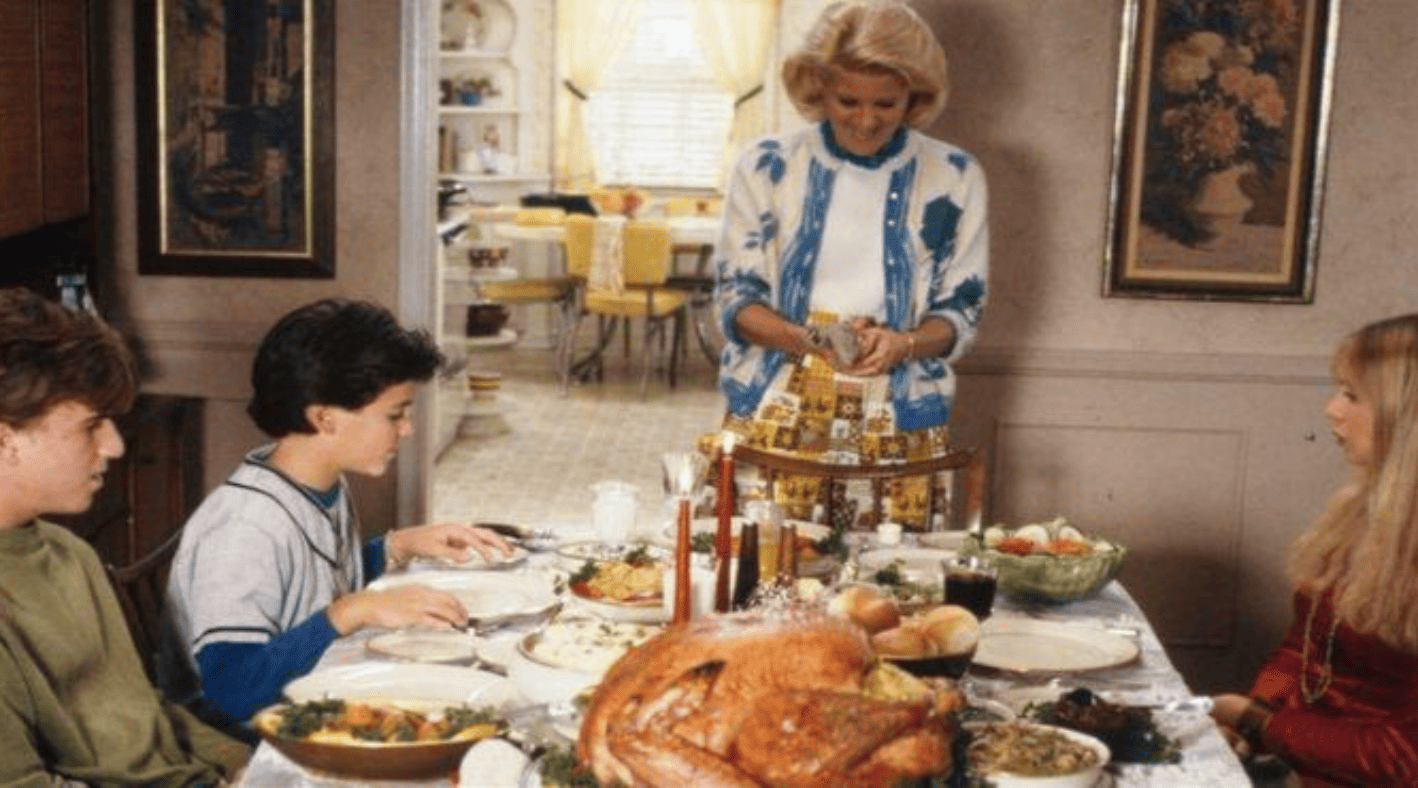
489,597
1026,645
918,564
389,680
648,611
425,646
575,554
517,557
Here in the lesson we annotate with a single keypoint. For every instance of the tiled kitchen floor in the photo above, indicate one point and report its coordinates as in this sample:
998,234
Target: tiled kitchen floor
533,462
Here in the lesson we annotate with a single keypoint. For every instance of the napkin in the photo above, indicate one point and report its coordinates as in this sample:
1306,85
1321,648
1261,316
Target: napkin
492,763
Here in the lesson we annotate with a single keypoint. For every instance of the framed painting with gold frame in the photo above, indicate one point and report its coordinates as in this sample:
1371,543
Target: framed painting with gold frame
236,136
1219,149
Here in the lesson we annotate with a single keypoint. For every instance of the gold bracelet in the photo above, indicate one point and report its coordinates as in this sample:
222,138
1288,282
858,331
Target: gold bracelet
910,346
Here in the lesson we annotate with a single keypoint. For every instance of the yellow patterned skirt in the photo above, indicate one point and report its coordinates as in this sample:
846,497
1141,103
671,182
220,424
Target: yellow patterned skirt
812,411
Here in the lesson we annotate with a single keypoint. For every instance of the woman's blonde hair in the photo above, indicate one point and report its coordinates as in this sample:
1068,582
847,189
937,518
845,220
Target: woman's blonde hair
1364,544
884,36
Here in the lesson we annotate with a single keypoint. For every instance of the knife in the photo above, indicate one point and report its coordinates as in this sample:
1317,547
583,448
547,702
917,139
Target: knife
1201,704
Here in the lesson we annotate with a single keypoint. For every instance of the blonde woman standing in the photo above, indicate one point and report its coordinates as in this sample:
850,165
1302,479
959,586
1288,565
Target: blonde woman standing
1338,699
852,265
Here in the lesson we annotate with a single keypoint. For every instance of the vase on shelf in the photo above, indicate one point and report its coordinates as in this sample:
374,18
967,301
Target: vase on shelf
1221,204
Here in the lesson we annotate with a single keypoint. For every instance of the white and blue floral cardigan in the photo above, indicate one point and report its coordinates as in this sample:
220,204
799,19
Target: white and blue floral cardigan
936,255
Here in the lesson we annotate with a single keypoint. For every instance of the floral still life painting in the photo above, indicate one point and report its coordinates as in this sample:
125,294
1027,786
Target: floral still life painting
1218,160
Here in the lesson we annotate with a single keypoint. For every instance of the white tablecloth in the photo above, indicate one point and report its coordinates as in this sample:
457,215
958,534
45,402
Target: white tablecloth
1207,762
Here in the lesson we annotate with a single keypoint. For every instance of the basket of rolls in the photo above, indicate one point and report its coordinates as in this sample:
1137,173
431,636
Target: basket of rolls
935,641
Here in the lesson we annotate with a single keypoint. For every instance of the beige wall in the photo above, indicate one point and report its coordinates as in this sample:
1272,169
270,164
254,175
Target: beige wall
201,331
1190,430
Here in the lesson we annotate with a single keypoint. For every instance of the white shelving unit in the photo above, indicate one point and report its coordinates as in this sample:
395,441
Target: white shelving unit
493,93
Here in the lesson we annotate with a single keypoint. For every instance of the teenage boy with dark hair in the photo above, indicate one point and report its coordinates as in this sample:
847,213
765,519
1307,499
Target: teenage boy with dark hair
76,707
271,567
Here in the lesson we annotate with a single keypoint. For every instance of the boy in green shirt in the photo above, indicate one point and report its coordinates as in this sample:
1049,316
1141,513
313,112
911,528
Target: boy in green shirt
76,707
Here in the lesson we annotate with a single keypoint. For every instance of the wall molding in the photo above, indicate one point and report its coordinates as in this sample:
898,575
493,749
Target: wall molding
1141,365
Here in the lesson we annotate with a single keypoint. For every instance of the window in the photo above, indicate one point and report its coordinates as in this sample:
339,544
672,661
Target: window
659,118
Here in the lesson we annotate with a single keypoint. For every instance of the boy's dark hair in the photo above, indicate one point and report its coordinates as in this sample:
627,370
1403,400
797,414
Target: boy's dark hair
51,354
333,352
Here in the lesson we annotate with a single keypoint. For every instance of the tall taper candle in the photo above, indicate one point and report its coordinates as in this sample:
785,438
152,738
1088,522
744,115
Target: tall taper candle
723,538
682,591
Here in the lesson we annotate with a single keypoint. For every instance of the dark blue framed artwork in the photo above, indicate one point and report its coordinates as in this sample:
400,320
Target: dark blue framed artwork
236,137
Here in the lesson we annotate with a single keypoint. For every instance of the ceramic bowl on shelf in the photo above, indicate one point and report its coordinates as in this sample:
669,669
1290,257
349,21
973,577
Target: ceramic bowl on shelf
486,318
487,256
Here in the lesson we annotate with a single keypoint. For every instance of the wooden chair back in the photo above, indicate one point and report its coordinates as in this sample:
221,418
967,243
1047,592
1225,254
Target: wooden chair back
142,593
970,462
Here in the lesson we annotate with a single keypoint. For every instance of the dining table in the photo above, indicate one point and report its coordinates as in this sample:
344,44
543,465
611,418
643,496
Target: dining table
1138,673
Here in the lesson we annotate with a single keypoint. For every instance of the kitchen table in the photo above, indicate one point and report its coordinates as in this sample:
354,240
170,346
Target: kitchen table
1150,678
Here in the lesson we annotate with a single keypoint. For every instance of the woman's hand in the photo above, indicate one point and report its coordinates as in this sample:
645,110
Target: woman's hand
1227,712
400,606
448,541
880,349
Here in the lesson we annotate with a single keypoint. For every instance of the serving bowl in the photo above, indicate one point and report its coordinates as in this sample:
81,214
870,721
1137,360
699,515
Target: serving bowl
416,760
1085,777
1057,571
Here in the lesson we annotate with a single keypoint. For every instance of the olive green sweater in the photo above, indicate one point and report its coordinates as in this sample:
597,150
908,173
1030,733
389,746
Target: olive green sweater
75,703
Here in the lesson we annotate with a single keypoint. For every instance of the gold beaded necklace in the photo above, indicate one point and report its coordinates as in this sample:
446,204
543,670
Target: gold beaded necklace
1326,669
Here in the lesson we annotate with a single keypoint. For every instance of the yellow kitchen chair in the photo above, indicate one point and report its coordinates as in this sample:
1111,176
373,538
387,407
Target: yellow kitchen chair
556,289
645,249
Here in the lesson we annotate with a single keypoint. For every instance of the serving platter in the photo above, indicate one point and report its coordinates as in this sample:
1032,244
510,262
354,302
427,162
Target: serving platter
490,598
1026,645
644,610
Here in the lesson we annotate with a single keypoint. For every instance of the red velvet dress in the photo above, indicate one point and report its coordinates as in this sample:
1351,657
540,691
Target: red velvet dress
1364,729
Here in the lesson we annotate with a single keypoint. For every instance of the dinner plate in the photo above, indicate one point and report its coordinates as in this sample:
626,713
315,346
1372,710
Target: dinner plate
438,647
489,597
399,681
918,564
1026,645
575,554
516,557
646,611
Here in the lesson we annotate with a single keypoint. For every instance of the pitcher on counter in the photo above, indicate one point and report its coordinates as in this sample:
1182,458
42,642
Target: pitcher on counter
271,566
852,264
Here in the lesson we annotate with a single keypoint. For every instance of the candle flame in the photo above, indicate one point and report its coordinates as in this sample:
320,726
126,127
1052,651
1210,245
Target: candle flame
727,441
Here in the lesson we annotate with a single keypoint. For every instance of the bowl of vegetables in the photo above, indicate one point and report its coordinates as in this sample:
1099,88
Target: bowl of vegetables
1048,563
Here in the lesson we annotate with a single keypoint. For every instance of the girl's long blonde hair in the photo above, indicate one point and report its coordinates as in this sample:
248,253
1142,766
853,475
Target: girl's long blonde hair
1364,544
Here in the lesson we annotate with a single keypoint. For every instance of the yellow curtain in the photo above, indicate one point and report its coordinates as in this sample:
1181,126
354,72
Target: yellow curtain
736,37
589,35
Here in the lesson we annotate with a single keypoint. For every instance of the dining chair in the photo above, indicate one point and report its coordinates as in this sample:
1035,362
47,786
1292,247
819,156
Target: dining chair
555,289
645,264
141,588
941,470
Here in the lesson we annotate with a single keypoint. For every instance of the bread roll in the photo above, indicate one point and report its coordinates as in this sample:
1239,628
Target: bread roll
866,607
952,629
901,642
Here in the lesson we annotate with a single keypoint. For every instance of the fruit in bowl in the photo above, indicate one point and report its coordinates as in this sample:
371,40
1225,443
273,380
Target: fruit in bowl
1048,563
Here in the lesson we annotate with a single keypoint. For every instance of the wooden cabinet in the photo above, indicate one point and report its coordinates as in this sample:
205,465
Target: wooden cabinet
43,113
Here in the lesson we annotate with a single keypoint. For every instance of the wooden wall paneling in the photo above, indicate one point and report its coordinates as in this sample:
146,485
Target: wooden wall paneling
64,108
20,197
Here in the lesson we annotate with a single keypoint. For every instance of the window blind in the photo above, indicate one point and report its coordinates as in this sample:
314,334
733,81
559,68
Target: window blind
658,117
